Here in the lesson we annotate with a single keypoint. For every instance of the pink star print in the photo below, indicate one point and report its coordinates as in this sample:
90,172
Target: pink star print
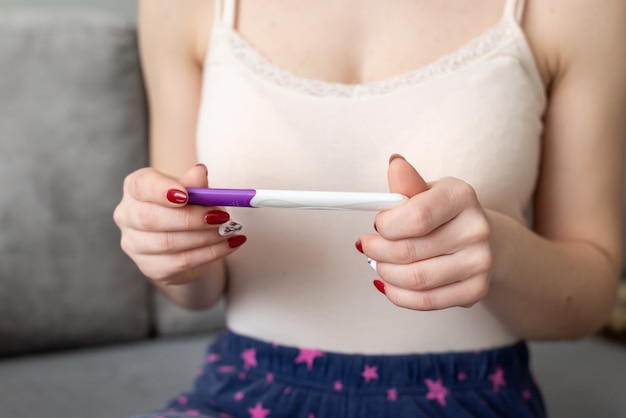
338,386
212,358
498,379
308,356
249,358
436,391
370,373
392,394
258,411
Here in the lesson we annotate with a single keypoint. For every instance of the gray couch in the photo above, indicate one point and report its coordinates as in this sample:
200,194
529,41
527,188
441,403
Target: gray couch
82,334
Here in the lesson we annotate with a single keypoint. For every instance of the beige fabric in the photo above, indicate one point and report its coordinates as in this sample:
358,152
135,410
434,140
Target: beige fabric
475,114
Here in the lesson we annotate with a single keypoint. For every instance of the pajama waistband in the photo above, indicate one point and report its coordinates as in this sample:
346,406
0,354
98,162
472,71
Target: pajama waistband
316,368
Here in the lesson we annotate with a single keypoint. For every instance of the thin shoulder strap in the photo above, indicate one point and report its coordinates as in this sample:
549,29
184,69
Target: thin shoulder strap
514,9
225,12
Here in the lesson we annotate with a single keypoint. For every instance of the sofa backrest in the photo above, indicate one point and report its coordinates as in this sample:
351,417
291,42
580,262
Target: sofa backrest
72,125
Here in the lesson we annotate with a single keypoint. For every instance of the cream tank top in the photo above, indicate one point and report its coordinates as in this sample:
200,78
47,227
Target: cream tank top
475,114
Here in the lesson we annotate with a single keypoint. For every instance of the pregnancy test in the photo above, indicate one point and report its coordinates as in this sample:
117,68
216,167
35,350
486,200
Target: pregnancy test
296,199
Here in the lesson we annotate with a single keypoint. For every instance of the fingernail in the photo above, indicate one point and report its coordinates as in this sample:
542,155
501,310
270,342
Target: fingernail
372,263
236,241
176,196
229,228
380,286
359,246
394,156
216,217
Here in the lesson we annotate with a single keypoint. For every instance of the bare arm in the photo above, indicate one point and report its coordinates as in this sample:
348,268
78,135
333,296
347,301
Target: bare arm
173,243
443,249
562,281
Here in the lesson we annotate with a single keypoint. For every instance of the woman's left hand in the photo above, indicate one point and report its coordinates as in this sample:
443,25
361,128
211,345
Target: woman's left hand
432,252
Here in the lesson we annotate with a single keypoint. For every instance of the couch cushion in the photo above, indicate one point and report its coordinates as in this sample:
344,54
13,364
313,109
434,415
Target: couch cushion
171,319
73,124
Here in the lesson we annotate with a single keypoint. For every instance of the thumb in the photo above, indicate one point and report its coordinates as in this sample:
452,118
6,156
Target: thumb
196,176
403,178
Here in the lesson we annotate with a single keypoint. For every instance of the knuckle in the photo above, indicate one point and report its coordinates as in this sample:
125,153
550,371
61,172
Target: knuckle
128,182
482,232
482,260
213,253
464,191
183,261
156,275
147,217
419,301
419,278
162,276
132,183
477,291
421,218
135,183
165,242
406,252
118,216
426,301
148,267
188,220
126,244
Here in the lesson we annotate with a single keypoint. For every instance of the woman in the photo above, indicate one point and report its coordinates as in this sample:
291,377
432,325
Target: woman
489,112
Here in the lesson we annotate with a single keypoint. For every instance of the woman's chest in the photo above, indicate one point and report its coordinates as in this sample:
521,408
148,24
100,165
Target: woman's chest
353,42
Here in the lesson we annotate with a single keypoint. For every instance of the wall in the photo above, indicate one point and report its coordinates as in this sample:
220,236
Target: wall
124,8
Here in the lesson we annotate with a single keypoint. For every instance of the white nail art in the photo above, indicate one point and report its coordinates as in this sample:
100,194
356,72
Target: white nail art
372,263
229,228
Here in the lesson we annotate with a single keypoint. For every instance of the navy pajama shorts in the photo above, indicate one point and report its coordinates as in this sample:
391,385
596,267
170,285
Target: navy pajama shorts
246,378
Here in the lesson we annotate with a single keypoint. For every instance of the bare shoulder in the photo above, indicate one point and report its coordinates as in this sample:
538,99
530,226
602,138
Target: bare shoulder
182,25
564,33
173,36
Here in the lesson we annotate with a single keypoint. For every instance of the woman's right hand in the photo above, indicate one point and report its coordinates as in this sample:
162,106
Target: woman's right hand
171,242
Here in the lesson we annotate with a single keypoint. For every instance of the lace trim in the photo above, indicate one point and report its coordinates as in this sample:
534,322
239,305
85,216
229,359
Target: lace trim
473,51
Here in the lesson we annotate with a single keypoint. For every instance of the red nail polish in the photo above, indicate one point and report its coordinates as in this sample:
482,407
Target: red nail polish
236,241
176,196
359,246
375,228
380,286
216,217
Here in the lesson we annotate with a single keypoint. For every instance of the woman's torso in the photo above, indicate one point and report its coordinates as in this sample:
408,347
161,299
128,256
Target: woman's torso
462,99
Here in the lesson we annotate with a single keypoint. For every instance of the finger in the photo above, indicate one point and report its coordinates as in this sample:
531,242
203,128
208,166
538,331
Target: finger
438,271
403,178
154,243
459,294
149,217
196,176
161,267
426,211
149,185
463,231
